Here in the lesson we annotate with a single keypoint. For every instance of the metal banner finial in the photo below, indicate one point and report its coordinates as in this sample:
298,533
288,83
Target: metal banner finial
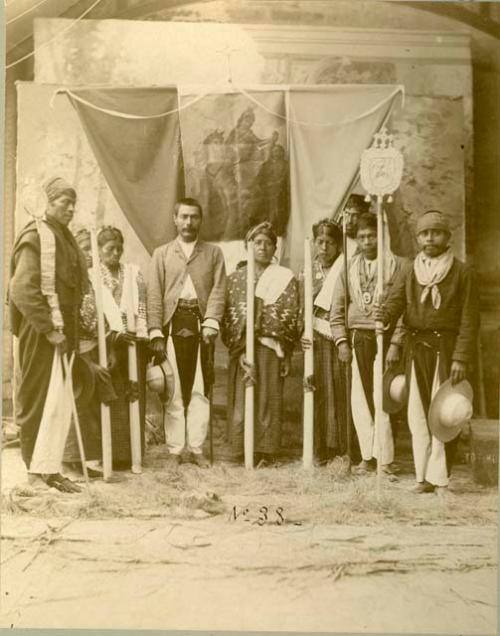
381,166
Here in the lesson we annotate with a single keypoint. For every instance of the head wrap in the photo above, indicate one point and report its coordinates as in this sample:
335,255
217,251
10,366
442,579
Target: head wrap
109,233
57,187
262,228
432,220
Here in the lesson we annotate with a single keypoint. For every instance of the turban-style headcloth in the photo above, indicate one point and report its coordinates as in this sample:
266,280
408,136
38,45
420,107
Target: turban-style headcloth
262,228
432,220
57,187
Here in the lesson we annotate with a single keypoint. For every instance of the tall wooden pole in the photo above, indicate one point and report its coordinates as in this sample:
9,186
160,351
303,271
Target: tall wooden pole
134,414
347,369
107,456
378,368
308,423
250,356
381,170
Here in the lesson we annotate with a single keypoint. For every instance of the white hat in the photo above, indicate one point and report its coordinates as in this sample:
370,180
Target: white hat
160,379
395,394
450,410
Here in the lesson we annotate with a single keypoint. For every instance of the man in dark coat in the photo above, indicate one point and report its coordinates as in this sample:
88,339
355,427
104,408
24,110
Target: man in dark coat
48,280
437,296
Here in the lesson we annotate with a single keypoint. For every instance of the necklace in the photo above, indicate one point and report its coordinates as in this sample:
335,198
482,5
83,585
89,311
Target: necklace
366,295
323,271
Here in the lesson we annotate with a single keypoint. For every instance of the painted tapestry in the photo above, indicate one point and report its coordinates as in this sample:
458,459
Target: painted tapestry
236,161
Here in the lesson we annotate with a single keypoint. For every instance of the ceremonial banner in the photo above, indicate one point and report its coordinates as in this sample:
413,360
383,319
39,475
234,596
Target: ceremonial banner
134,134
236,161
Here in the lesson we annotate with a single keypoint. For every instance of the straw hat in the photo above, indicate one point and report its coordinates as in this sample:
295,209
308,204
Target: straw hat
450,410
395,394
160,380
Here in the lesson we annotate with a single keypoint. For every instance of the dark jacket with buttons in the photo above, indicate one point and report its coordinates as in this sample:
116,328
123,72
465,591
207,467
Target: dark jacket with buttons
458,313
168,271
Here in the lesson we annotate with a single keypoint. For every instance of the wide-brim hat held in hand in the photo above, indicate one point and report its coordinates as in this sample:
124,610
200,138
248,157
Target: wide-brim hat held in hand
160,379
395,394
450,410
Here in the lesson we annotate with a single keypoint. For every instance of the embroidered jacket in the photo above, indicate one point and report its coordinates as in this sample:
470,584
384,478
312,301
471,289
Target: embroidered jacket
278,321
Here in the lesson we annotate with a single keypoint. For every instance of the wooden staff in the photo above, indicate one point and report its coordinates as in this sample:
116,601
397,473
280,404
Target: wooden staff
308,423
381,170
133,376
346,366
68,368
250,357
211,362
107,453
378,365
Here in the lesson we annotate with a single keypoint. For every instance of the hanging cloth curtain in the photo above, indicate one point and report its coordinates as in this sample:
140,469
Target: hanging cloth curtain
329,129
135,136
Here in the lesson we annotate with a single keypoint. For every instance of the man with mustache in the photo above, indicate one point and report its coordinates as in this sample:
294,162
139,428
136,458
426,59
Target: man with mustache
185,301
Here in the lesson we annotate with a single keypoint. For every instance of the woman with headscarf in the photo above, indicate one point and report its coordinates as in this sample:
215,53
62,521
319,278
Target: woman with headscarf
276,315
117,300
330,415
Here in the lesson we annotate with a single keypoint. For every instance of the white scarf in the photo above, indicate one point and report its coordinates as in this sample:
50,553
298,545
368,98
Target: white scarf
114,313
272,283
430,272
48,272
325,296
355,279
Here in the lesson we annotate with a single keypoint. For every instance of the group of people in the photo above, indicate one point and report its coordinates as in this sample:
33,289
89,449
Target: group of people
429,311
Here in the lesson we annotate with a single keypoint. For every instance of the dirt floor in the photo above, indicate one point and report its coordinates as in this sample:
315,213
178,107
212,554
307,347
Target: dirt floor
270,549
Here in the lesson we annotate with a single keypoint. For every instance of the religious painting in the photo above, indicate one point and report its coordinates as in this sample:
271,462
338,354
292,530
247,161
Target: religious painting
236,161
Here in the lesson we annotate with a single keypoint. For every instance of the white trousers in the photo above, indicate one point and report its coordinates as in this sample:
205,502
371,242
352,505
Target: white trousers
186,430
366,428
428,452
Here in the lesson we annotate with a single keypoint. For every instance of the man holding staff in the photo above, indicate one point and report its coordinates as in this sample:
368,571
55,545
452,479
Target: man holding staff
359,343
185,303
48,280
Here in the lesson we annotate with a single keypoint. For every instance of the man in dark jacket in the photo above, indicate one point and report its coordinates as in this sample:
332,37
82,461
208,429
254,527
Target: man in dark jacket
48,279
438,298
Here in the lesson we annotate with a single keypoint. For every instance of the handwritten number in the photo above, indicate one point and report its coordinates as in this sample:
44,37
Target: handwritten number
281,518
262,519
